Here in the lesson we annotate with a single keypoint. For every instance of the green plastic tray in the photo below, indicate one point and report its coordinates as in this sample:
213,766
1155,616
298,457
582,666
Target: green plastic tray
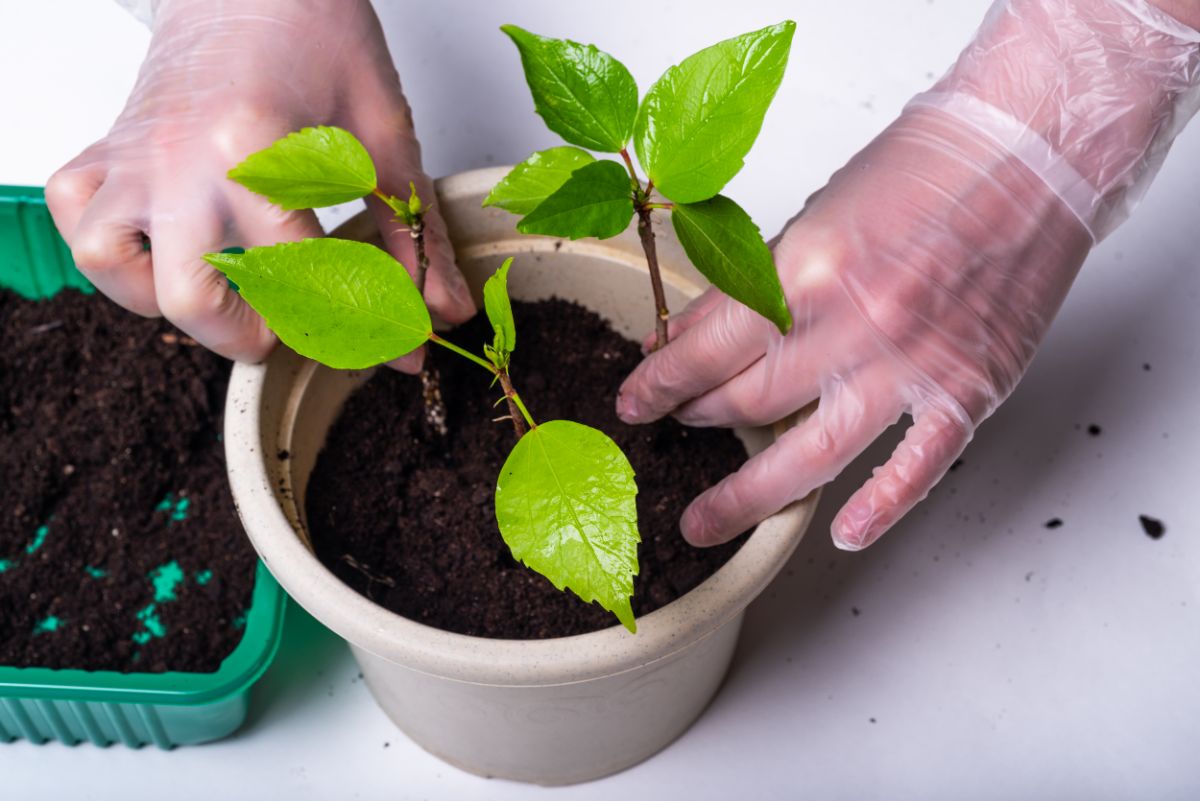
103,707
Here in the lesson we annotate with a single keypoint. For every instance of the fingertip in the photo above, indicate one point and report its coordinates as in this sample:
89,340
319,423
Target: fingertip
846,536
459,306
693,525
928,449
634,400
450,304
846,545
628,408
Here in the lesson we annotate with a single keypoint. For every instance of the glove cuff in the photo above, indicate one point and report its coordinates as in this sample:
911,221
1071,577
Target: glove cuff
1087,94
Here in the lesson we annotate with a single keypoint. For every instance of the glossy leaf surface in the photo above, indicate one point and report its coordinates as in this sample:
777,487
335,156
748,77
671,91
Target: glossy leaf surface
566,505
597,200
499,311
585,95
728,249
698,121
309,169
537,178
345,304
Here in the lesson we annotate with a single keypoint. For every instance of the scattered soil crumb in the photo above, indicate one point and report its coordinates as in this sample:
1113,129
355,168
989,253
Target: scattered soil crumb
1153,527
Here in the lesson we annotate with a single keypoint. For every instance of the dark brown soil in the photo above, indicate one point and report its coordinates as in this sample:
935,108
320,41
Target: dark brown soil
408,520
113,492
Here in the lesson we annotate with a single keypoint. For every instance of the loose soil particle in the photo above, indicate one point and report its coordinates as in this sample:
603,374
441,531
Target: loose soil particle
1153,527
407,519
120,546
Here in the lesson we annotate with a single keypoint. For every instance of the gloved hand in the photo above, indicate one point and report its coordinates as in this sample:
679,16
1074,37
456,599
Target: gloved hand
924,275
222,79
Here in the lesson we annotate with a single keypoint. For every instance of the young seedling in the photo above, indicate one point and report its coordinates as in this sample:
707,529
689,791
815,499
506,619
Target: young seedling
565,497
691,132
318,167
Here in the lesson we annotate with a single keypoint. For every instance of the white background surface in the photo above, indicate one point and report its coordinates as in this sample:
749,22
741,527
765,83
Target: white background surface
997,658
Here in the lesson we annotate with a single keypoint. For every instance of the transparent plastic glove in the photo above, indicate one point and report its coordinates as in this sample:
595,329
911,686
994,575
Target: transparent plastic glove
222,79
924,275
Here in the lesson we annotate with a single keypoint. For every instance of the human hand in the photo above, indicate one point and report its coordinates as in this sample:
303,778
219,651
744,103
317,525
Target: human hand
923,276
222,80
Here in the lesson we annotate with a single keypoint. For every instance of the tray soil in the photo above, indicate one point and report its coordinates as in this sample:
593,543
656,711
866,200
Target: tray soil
407,519
120,546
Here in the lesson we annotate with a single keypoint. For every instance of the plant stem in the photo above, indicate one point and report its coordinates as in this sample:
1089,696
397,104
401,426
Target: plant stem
417,232
646,234
516,409
629,166
644,206
466,354
390,200
431,380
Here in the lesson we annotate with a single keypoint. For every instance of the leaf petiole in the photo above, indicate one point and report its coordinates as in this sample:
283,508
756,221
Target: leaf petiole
394,203
515,404
629,166
466,354
524,412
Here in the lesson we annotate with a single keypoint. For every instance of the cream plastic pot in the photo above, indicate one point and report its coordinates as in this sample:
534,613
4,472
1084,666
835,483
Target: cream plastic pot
553,711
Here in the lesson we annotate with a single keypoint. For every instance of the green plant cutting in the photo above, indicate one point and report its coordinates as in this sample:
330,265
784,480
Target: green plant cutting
565,496
691,132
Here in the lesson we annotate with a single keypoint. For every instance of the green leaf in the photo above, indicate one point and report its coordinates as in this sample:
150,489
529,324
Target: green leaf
727,248
585,95
565,502
699,120
309,169
597,200
499,311
346,304
536,178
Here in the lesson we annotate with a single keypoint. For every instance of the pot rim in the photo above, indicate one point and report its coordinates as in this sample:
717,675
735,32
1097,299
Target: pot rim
462,657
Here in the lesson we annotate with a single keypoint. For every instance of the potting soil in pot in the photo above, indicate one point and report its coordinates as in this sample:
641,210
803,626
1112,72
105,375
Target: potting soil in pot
407,518
120,548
